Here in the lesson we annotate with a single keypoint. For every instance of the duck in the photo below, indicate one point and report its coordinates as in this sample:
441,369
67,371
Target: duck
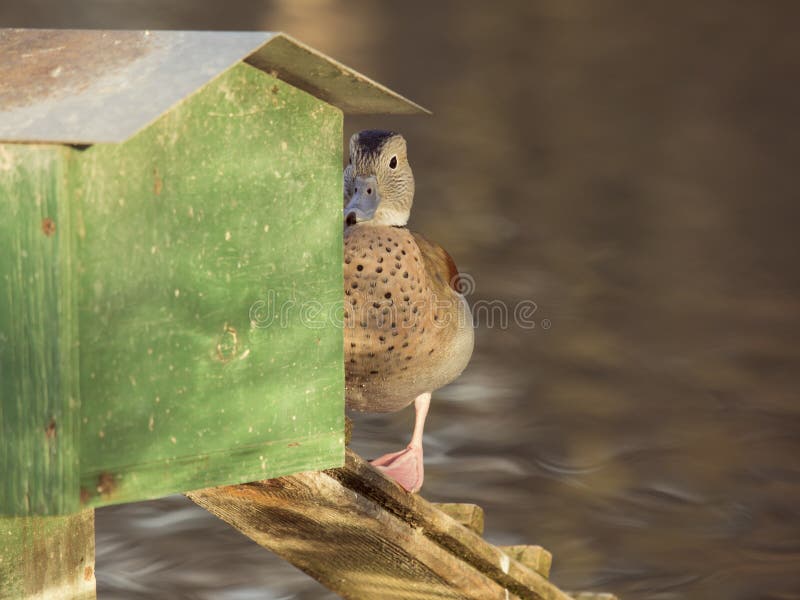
407,326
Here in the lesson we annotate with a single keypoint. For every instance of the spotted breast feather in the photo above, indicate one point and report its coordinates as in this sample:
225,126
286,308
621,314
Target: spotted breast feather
407,330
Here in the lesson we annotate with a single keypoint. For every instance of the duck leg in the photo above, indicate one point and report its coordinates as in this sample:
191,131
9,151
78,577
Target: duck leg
406,466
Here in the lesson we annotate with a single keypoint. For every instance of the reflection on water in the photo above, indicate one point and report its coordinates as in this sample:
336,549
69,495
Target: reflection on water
172,549
630,167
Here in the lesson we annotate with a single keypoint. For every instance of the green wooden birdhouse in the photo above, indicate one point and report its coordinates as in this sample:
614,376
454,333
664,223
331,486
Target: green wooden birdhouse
170,262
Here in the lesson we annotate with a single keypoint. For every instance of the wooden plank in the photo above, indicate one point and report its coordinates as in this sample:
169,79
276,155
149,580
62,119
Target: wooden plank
209,356
39,402
347,542
357,531
47,558
469,515
533,557
359,476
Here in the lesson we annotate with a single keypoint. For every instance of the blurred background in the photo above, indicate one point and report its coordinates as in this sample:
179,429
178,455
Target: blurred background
631,167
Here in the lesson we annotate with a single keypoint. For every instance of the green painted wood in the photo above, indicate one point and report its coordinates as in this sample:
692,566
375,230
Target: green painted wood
178,328
203,244
47,557
39,404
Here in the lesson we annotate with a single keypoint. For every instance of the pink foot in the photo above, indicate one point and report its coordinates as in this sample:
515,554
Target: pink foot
405,467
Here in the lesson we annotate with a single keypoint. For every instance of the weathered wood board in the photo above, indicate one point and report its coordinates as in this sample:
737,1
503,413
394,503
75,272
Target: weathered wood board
345,541
209,264
47,558
364,537
39,401
168,304
469,515
533,557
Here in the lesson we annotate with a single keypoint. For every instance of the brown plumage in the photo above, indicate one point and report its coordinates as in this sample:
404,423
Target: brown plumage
407,329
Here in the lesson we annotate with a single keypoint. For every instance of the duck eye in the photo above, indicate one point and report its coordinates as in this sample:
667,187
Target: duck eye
393,163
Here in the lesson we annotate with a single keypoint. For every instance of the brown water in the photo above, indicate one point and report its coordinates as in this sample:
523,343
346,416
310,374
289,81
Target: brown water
631,168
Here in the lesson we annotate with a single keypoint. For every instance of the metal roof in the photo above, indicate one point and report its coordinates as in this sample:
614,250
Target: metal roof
91,86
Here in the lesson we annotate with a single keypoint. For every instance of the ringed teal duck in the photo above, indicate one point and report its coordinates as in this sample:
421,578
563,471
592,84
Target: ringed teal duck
408,331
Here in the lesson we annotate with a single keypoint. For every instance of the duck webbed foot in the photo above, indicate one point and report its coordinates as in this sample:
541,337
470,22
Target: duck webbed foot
406,466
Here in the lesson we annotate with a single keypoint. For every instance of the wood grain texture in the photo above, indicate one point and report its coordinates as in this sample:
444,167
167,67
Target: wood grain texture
533,557
345,541
47,558
468,515
209,265
39,402
359,476
168,315
363,536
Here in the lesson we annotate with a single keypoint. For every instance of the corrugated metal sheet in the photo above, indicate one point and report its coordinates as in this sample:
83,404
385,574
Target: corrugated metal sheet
85,87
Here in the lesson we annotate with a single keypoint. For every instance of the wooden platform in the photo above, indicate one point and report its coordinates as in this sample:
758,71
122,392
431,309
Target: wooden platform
363,537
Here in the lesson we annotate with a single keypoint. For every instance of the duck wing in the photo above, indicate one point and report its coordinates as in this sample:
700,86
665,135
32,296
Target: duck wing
440,267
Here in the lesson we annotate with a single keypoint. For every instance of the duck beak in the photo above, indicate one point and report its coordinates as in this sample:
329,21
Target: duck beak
364,201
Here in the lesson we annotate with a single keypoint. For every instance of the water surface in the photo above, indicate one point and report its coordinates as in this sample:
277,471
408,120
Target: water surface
632,169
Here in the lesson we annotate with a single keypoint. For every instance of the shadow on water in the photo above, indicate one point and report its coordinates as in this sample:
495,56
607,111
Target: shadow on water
629,167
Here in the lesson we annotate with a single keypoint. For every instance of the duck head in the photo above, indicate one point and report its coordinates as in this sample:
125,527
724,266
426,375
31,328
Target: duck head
378,182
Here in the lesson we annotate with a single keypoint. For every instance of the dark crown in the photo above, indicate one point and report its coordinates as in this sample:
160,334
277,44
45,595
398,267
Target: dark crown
373,140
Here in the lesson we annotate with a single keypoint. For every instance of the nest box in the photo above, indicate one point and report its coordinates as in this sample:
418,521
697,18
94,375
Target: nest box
170,262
